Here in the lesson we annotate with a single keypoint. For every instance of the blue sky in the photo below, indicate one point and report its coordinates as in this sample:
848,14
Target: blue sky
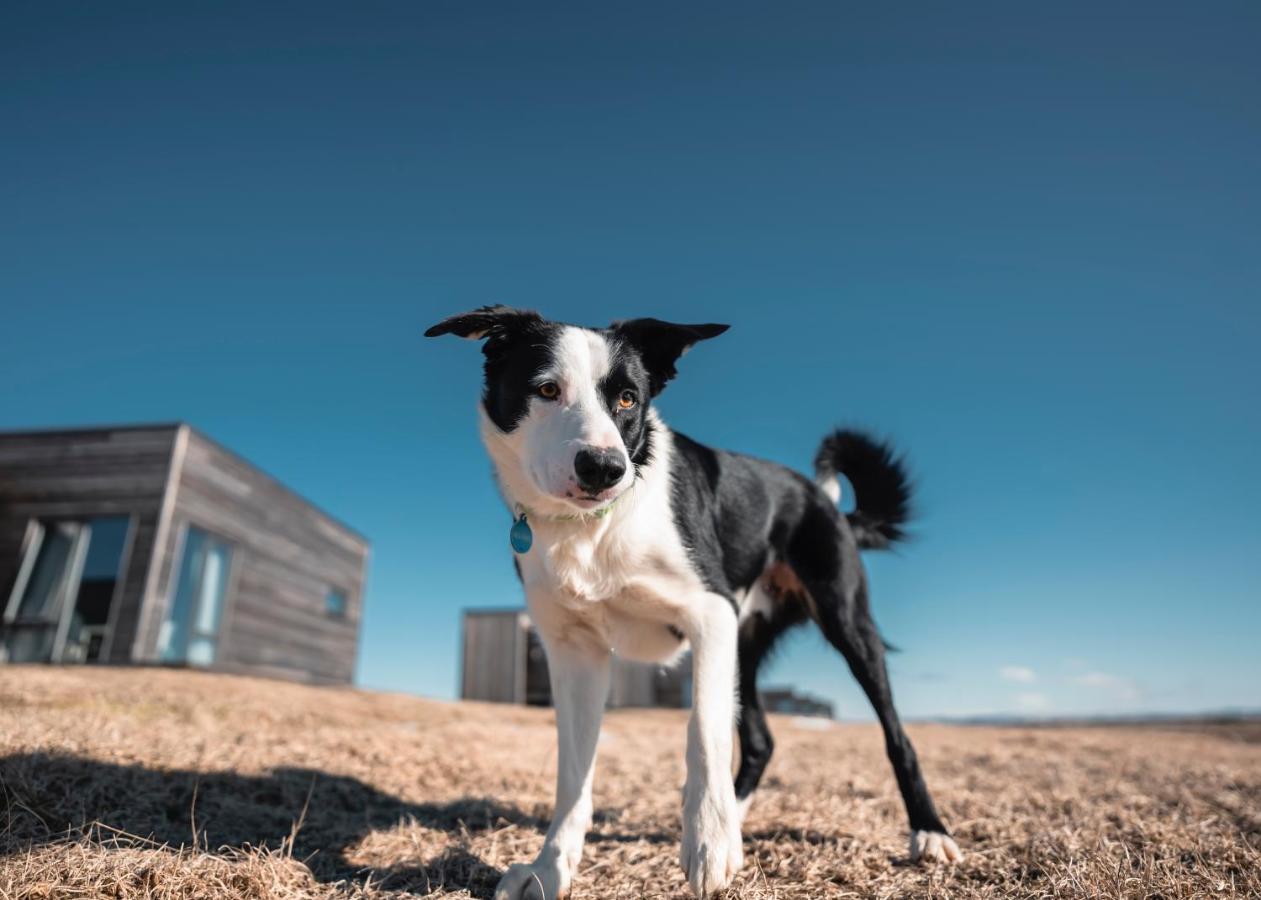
1021,242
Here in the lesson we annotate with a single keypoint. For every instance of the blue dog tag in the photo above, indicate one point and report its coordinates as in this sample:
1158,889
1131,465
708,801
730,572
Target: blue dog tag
520,536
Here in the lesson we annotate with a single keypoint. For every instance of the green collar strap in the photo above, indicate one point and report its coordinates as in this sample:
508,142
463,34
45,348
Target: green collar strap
521,536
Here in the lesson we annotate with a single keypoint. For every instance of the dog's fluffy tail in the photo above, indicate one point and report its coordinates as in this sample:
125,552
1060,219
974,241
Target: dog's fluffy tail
882,488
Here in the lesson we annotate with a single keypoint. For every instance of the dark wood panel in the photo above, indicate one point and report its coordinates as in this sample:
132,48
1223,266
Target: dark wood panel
271,649
295,661
85,446
56,465
306,592
25,467
288,673
252,598
12,533
253,626
493,656
81,489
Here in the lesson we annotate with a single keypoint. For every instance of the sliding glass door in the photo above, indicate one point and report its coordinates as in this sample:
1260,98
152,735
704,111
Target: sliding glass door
190,633
59,610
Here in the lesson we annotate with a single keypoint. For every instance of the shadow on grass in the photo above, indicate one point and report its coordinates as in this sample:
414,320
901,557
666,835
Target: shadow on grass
45,798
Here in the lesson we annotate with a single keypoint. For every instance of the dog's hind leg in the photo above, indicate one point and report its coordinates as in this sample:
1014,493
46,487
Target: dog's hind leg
825,558
758,634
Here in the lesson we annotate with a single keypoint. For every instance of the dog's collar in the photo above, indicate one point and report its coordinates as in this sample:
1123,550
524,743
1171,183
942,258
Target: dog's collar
521,536
520,509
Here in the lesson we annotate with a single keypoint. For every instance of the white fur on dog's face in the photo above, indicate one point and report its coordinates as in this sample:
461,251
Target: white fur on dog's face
551,433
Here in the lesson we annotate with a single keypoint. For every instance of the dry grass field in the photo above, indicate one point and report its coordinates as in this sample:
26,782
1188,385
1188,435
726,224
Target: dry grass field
158,784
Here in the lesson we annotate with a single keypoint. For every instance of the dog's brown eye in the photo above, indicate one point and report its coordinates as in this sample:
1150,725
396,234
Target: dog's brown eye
549,390
627,399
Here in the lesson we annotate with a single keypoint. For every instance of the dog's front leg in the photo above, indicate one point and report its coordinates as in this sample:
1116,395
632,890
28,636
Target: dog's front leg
580,686
712,852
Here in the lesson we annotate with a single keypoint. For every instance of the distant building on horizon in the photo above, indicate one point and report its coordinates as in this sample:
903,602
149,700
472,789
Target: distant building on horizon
797,703
154,544
502,661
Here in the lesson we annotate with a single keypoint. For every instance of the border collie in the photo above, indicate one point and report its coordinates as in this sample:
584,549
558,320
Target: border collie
634,540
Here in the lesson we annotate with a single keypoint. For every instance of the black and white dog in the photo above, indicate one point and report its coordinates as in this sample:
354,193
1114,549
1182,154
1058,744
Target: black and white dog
633,539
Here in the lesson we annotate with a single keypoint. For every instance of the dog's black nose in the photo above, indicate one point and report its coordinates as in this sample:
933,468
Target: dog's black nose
598,468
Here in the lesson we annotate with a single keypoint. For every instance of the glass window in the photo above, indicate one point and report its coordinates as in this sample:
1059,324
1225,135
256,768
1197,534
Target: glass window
41,598
191,631
102,569
72,573
335,603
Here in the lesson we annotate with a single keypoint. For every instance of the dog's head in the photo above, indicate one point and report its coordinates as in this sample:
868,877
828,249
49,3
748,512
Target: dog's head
566,408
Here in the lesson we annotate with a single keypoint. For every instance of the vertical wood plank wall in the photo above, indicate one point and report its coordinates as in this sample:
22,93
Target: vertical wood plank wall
494,666
286,556
493,656
78,474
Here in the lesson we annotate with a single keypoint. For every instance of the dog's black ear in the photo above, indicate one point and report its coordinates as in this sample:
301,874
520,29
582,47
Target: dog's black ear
487,322
660,344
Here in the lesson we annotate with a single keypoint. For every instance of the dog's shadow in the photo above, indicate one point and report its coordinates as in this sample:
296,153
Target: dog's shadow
314,815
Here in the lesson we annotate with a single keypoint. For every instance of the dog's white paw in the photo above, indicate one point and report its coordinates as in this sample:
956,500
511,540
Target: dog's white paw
534,881
712,850
933,846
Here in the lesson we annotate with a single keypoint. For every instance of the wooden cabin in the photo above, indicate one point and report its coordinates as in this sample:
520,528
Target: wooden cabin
154,544
502,661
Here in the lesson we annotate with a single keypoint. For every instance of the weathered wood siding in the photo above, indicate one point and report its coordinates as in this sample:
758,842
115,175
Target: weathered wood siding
496,665
494,656
77,474
286,556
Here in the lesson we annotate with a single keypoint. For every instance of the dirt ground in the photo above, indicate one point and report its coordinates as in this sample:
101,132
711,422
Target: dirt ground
159,784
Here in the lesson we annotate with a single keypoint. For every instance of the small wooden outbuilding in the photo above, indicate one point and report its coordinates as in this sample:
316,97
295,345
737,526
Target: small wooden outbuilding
154,544
503,661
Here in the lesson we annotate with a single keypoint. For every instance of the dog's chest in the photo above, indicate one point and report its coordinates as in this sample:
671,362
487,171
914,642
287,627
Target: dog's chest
632,568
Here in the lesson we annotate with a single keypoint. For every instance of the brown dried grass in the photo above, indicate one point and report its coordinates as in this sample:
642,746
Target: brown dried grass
135,784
